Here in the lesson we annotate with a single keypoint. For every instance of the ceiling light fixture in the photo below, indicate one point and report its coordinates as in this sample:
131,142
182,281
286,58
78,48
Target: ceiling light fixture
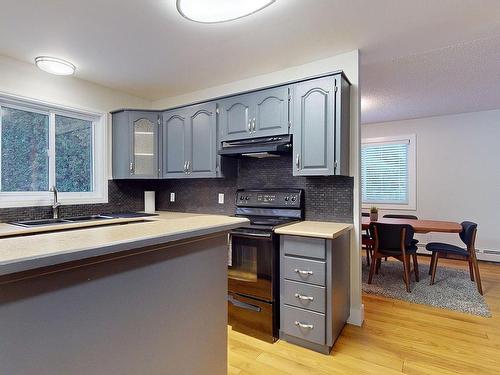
54,65
214,11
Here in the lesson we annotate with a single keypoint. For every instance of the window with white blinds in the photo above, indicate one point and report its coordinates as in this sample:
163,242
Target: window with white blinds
387,172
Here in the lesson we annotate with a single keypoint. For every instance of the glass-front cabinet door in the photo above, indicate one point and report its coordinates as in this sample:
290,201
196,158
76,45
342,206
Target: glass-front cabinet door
144,155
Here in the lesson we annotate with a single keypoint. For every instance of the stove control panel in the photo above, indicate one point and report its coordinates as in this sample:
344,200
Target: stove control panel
265,198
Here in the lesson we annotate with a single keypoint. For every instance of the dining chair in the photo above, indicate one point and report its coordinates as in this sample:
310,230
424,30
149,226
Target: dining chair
394,240
401,216
367,241
444,250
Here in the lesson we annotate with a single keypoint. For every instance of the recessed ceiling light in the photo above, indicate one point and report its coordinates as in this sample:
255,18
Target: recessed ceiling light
54,65
213,11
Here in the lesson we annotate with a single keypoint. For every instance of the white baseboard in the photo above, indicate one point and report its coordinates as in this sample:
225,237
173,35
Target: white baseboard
357,316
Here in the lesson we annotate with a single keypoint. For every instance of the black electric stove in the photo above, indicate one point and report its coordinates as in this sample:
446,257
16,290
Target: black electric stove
253,275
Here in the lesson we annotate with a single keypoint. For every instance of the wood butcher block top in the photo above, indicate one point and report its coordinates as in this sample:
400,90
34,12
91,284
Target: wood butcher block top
319,229
420,226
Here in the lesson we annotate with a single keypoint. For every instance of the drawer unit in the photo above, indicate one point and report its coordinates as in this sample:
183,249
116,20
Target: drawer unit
304,324
310,297
304,270
305,247
314,290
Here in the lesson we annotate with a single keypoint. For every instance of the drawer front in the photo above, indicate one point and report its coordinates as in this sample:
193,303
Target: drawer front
305,246
304,324
304,270
306,296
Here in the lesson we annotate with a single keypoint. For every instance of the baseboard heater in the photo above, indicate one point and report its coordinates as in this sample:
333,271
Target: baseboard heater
482,254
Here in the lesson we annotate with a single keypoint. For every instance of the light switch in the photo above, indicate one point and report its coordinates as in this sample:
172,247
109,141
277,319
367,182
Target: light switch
221,198
172,197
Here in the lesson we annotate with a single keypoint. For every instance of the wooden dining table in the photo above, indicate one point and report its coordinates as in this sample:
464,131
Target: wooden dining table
420,226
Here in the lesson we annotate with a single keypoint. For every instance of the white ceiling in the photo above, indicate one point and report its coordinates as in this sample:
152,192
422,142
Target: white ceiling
419,58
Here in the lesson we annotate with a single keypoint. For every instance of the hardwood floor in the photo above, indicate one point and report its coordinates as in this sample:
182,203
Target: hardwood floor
396,338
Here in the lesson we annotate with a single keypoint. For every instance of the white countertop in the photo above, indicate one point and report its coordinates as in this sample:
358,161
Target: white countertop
319,229
29,251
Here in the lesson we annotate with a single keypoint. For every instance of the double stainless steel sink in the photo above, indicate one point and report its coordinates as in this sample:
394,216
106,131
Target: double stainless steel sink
68,220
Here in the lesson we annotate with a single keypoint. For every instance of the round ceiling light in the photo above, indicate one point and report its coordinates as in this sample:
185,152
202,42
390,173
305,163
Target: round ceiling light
54,65
214,11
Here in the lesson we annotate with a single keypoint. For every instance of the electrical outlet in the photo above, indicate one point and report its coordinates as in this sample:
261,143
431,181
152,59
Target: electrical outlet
172,197
221,198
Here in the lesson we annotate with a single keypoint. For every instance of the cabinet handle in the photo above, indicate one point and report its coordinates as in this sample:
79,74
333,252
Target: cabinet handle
304,298
302,272
131,167
253,124
297,161
250,125
185,166
188,166
303,325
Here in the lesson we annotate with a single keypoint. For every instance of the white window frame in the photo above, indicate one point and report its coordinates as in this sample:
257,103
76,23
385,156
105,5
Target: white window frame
412,171
99,155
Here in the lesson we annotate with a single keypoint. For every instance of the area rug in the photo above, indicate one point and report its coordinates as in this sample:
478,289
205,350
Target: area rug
452,289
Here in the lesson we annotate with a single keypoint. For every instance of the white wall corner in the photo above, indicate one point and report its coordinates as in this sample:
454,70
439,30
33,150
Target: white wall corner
357,316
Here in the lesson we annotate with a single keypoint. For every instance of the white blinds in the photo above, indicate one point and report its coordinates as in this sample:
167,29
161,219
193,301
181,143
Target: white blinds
384,172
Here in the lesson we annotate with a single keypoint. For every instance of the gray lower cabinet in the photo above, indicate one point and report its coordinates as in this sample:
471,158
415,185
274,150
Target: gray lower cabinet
258,114
189,138
320,124
314,290
135,145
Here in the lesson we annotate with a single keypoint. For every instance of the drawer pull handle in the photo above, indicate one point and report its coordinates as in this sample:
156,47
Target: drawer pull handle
302,272
303,325
302,297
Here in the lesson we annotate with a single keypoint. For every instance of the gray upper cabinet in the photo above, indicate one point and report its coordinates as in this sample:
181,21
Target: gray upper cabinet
183,143
174,139
189,142
271,112
321,127
236,114
135,145
257,114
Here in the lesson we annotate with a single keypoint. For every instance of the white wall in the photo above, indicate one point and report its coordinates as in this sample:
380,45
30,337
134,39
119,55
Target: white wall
23,79
349,63
458,170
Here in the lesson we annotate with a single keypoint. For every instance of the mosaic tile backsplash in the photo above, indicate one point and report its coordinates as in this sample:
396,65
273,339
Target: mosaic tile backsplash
326,198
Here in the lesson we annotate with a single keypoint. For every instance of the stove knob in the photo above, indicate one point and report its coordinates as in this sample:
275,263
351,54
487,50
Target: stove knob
247,197
294,199
287,199
241,197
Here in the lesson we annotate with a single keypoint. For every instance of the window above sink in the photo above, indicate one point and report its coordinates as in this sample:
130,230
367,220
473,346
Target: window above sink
42,145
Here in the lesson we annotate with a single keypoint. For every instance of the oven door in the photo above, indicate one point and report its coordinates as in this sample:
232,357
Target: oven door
252,317
251,264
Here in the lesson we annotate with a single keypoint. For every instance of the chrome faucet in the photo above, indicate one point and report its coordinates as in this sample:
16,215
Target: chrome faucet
55,204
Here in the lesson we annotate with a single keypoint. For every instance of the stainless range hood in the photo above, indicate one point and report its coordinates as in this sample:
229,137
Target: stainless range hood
257,147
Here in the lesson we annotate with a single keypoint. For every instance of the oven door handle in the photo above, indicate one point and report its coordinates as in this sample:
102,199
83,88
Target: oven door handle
243,305
250,235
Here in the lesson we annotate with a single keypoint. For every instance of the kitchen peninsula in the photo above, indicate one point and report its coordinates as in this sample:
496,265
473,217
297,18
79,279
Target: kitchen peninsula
141,297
